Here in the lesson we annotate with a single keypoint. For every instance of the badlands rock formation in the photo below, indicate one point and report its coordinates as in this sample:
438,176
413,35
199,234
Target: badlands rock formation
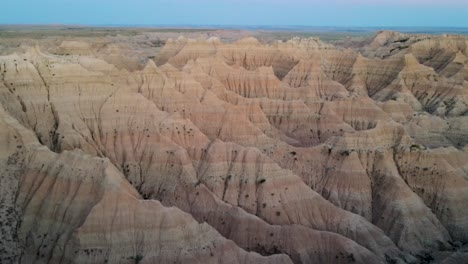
244,152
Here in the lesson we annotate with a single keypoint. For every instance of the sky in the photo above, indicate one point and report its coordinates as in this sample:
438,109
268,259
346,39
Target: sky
343,13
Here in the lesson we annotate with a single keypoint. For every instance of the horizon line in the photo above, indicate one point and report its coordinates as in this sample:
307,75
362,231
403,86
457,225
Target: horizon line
232,26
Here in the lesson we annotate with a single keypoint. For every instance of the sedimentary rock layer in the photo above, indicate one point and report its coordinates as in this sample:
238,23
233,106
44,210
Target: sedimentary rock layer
212,152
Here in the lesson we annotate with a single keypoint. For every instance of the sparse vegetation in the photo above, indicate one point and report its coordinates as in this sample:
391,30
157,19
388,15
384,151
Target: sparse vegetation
450,103
416,147
425,258
137,259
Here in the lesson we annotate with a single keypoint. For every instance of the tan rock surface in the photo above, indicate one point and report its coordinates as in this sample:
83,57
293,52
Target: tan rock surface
243,152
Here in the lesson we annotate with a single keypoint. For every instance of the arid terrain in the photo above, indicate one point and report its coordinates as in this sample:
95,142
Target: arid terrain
232,146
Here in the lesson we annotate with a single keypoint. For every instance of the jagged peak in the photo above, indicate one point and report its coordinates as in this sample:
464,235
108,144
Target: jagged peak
249,41
360,60
150,66
384,36
411,60
214,40
412,63
168,68
181,38
309,43
460,57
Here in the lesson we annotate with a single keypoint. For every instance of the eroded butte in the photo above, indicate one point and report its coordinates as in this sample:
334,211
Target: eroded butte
242,152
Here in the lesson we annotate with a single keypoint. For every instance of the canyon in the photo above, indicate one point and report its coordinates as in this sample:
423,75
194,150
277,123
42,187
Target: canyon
215,149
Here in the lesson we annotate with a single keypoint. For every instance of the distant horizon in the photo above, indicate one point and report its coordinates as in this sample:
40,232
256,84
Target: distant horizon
297,28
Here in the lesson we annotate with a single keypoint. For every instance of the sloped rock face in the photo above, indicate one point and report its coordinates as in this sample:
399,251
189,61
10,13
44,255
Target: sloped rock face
289,152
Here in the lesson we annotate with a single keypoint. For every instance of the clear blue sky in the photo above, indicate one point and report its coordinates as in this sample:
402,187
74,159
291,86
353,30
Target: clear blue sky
379,13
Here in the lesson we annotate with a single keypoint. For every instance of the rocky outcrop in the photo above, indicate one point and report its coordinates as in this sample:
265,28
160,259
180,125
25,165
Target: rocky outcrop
243,152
